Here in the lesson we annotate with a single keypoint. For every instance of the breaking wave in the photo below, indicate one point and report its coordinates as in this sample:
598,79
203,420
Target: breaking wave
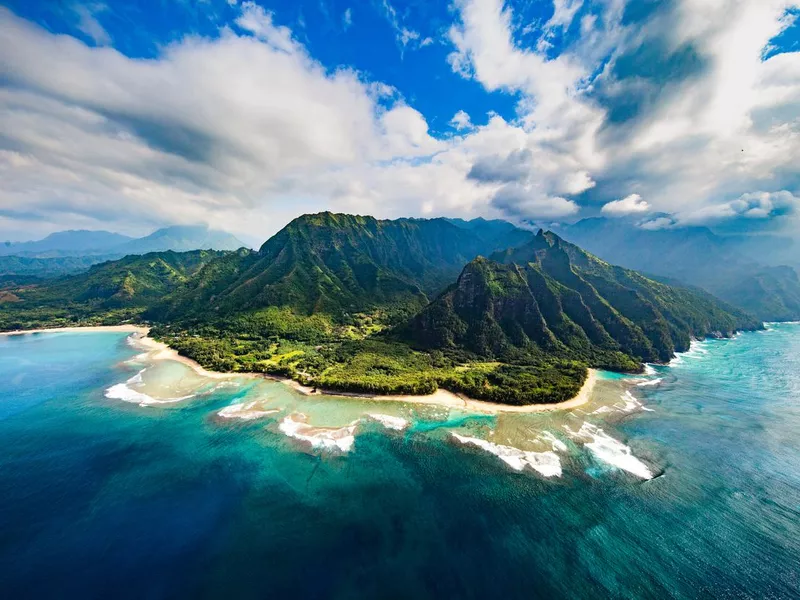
544,463
610,451
325,438
124,392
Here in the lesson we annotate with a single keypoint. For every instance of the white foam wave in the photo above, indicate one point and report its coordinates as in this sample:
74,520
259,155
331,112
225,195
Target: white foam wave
390,422
650,382
610,451
137,379
649,369
628,404
246,411
123,391
138,358
544,463
326,438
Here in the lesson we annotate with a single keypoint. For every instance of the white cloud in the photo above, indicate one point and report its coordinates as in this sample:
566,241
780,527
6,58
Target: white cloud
658,224
527,202
241,131
247,129
558,124
89,25
407,37
564,12
258,21
731,128
629,205
753,205
347,18
461,120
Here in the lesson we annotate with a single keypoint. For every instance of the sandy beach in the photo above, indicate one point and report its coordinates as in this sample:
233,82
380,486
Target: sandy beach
160,351
449,399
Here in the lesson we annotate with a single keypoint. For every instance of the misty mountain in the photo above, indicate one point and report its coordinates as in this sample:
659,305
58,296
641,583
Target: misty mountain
79,242
71,252
738,269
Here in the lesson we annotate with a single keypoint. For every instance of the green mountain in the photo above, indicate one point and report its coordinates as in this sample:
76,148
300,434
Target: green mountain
70,252
127,285
550,297
743,271
48,268
337,264
771,293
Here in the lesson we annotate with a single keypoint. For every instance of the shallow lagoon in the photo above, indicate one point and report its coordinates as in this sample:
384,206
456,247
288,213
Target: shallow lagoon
104,496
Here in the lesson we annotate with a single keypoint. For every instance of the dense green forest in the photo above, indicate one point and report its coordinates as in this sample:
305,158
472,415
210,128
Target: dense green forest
356,304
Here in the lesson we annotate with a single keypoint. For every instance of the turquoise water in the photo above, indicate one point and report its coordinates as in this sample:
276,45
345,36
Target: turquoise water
106,498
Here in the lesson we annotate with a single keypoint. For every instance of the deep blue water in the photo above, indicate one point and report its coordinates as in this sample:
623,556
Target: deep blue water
101,498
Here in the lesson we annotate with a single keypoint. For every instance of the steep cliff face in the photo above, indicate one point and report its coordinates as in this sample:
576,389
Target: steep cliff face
551,297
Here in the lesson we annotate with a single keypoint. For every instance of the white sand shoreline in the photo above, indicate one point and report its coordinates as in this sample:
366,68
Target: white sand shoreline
161,351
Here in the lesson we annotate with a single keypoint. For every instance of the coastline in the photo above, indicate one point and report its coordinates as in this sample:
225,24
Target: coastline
92,328
441,397
446,398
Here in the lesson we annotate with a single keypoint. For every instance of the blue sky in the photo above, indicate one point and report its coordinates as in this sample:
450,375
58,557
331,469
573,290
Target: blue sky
131,115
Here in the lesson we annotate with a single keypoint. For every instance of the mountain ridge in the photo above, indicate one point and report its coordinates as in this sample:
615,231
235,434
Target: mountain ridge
550,296
725,267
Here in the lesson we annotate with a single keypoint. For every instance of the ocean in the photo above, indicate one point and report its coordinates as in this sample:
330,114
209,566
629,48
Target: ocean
126,478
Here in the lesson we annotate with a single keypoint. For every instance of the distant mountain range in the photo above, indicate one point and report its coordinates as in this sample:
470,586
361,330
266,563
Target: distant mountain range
68,252
744,271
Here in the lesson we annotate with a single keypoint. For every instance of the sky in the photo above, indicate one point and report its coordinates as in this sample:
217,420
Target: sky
132,115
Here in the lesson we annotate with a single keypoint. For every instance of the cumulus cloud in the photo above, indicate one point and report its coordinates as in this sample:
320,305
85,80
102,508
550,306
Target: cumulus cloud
523,201
688,106
461,120
629,205
513,167
245,130
753,205
679,104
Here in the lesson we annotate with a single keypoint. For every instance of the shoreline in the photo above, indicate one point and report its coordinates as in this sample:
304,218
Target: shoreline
160,351
446,398
78,329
